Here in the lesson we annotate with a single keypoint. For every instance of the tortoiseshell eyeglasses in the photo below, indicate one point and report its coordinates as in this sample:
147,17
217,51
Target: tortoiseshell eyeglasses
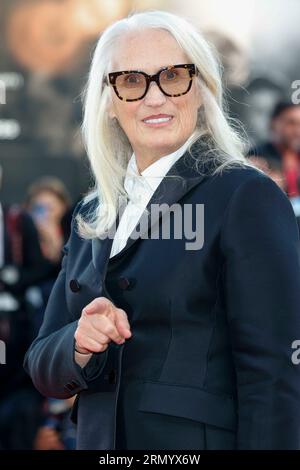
132,85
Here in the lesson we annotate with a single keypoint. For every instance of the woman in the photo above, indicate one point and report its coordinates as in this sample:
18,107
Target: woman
48,201
171,343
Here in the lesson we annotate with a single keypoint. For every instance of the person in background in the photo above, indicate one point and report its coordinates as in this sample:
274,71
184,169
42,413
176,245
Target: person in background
48,201
280,157
49,204
284,145
21,266
273,168
57,432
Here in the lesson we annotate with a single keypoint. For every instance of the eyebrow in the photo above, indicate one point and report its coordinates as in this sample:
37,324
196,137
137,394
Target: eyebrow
141,70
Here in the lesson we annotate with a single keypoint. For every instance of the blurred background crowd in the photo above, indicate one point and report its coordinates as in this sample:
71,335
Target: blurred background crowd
45,51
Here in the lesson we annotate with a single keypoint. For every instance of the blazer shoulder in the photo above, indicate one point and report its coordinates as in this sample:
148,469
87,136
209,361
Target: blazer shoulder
242,173
233,178
249,181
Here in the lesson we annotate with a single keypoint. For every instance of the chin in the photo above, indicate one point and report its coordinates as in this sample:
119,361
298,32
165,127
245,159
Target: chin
164,145
163,140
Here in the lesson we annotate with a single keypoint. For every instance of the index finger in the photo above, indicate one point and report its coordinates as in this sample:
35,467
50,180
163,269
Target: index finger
98,305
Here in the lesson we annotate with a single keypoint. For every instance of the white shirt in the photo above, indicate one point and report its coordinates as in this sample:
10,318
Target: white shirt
140,187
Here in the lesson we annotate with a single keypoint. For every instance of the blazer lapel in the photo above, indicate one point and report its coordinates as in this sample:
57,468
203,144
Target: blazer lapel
101,249
180,179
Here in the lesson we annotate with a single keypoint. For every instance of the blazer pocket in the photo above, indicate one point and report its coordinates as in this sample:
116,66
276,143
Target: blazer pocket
189,402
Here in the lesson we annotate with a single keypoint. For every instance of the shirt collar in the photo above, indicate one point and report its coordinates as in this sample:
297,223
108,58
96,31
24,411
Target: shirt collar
154,173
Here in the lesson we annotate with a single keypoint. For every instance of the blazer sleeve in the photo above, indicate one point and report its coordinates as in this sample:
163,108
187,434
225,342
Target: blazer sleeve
260,244
50,359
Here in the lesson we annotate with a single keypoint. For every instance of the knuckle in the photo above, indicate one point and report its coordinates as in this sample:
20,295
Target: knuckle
79,342
109,330
77,334
106,340
83,315
122,313
102,301
101,347
82,323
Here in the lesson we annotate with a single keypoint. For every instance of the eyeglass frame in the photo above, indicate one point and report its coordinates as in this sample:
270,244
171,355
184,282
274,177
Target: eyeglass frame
112,77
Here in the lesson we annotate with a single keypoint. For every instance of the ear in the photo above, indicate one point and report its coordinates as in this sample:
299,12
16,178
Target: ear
111,111
199,99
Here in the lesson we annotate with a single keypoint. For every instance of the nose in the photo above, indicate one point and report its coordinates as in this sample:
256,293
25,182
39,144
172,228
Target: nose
154,96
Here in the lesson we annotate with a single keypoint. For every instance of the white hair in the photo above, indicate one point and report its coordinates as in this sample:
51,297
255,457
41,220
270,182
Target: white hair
107,146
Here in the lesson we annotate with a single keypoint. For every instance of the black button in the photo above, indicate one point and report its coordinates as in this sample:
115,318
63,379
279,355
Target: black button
123,283
112,376
74,285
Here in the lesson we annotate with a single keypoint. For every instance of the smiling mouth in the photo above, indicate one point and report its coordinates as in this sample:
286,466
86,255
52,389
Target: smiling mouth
158,120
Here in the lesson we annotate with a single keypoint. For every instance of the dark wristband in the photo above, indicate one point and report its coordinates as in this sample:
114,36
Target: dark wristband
79,352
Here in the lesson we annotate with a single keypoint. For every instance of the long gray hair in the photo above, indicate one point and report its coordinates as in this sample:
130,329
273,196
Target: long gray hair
107,146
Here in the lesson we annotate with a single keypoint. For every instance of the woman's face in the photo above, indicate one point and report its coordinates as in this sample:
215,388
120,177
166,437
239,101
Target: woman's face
149,51
48,207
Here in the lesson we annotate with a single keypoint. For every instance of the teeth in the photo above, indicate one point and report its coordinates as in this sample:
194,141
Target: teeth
157,121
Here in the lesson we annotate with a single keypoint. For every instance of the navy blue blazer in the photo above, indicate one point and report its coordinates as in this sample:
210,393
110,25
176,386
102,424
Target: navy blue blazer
209,363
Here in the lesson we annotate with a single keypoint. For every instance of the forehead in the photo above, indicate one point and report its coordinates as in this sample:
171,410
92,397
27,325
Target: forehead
147,50
291,114
46,194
